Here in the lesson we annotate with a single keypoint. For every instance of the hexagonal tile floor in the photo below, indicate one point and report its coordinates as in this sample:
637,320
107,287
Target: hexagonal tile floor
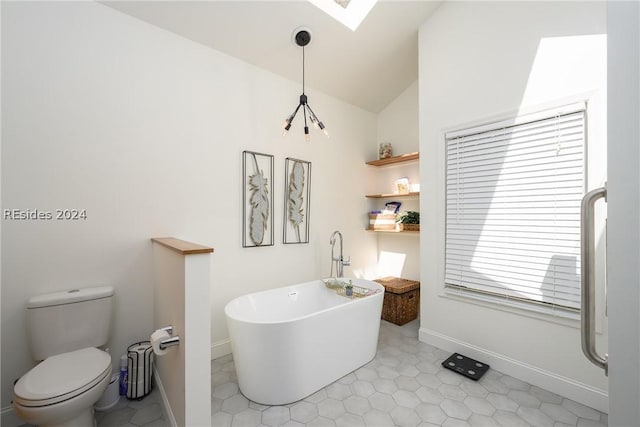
145,412
404,385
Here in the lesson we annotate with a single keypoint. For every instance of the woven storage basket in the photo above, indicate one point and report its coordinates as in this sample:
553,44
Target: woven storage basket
410,227
401,299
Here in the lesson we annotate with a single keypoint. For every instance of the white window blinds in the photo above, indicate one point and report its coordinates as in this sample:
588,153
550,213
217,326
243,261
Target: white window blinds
513,194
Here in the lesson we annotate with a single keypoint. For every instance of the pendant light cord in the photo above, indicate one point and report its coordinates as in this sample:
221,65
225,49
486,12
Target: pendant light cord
304,110
303,98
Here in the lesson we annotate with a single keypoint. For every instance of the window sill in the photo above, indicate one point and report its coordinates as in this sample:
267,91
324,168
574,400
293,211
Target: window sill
561,317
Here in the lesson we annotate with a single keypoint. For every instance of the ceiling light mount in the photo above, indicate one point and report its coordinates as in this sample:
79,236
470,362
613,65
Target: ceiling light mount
302,37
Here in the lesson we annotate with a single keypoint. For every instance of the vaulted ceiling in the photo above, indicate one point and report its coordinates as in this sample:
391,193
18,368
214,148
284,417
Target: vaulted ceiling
368,68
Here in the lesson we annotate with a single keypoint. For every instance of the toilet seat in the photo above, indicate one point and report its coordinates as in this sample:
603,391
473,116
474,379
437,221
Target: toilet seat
62,377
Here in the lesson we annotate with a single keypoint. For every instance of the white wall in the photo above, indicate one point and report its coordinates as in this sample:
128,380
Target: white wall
398,122
169,272
398,254
145,130
181,300
479,60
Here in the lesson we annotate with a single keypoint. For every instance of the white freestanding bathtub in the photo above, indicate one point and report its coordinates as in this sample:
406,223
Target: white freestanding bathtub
290,342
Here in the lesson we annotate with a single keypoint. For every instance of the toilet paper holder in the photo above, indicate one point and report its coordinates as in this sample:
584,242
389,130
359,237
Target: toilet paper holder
169,342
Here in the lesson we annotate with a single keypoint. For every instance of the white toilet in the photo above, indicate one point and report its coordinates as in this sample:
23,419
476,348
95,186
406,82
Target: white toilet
65,329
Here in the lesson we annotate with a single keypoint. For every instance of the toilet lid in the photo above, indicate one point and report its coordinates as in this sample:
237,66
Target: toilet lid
62,377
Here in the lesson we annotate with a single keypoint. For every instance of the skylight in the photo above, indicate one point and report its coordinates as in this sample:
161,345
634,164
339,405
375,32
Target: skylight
347,12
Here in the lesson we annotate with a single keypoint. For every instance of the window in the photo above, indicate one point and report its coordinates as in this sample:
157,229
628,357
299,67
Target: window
513,192
348,13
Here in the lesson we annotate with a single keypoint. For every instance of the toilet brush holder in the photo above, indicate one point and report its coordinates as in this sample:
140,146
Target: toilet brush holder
110,396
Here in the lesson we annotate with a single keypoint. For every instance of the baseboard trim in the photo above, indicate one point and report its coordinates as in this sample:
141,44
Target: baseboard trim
166,407
563,386
8,418
220,348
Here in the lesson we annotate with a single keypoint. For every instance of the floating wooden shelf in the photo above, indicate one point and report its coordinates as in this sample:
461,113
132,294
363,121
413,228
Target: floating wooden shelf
394,231
396,159
390,161
384,196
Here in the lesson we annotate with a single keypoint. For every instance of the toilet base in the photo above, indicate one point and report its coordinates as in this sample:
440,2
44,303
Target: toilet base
84,419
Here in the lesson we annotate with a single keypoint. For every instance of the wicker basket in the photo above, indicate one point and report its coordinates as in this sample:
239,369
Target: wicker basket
409,227
401,299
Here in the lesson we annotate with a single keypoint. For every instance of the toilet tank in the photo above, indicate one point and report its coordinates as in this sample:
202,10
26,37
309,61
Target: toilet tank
69,320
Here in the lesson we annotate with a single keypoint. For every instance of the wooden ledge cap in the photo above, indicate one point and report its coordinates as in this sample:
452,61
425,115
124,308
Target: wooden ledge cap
182,246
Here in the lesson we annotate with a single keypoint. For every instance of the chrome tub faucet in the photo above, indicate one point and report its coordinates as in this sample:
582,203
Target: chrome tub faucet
339,260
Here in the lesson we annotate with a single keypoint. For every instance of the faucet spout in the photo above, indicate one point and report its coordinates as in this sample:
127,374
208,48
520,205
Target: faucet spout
332,241
338,260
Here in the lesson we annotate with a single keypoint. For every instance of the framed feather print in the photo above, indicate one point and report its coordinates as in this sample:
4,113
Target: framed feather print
297,190
257,198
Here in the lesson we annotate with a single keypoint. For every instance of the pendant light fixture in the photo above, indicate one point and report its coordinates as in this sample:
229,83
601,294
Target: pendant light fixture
302,37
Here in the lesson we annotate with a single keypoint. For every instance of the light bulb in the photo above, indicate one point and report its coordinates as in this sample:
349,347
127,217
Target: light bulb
287,122
307,137
287,126
324,129
314,121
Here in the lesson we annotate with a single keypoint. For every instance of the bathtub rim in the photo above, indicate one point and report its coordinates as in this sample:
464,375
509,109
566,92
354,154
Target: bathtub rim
315,313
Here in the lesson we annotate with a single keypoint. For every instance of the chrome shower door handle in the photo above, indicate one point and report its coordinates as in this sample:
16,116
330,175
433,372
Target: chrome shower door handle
587,278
